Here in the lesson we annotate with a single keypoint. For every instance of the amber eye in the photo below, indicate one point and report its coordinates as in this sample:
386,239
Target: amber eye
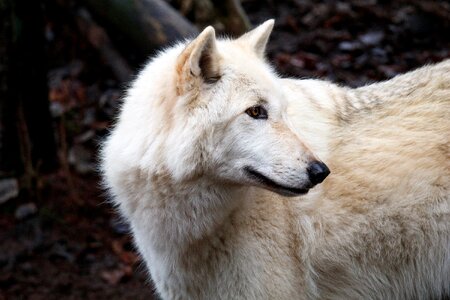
257,112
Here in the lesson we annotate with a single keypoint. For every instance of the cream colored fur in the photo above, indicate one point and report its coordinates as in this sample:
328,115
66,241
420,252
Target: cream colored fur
377,228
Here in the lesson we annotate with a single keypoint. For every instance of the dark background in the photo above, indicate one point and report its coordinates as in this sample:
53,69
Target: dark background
64,66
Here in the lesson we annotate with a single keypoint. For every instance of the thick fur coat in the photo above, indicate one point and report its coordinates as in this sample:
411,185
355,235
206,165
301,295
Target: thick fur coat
202,177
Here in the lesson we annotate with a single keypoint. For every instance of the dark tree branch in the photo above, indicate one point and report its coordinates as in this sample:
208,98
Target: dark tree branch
149,24
98,38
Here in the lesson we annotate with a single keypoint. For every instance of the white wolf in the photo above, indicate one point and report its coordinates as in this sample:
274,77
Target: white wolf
209,142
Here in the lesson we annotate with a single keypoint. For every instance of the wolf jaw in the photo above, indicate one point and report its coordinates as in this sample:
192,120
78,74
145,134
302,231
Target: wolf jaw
273,186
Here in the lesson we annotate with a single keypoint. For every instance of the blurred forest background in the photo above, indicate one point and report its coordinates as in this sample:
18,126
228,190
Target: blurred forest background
64,66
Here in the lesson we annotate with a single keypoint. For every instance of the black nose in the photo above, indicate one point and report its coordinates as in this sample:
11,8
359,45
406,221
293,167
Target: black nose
317,172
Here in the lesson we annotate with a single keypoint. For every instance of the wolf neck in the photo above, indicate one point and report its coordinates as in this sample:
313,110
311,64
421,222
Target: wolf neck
188,211
313,112
319,110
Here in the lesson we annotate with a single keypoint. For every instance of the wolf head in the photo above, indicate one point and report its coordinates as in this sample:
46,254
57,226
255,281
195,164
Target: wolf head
214,109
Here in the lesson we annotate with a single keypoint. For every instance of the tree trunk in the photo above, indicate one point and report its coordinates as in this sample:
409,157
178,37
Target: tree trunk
26,135
9,146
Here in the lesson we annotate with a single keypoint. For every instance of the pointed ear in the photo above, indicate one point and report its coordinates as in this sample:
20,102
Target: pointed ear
258,37
199,61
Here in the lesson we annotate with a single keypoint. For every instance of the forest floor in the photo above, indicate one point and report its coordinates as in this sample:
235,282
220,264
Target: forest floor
67,243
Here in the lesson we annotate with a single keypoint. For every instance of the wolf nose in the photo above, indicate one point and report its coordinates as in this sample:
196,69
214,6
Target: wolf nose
317,172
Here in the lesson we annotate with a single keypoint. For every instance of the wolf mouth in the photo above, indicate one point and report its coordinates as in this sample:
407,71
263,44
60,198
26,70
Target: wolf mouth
272,185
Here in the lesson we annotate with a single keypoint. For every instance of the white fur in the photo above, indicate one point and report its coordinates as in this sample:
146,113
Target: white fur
377,228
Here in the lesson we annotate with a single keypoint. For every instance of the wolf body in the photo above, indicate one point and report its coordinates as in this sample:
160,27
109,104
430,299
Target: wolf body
210,141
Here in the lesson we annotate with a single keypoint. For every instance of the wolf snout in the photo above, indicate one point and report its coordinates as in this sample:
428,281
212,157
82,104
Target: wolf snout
317,172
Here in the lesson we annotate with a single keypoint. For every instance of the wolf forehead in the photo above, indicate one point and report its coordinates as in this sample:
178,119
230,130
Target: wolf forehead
206,65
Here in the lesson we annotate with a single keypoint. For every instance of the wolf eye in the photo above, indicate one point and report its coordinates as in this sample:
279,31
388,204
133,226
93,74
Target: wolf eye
257,112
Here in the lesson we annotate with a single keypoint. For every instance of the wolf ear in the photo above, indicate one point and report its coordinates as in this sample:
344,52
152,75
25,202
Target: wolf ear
258,37
200,59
